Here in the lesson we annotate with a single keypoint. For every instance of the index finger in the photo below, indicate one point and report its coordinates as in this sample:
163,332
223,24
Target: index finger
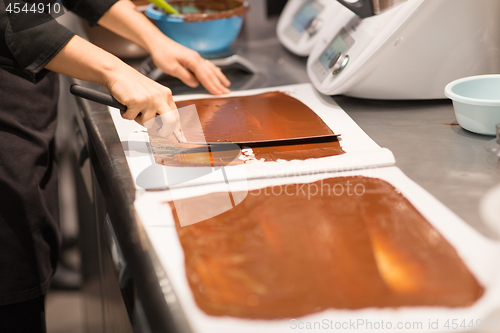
208,75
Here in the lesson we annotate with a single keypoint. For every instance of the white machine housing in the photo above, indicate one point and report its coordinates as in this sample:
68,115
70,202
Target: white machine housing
301,22
410,51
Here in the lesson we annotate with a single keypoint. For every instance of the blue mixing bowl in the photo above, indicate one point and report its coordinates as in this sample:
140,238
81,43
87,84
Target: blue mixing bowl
208,32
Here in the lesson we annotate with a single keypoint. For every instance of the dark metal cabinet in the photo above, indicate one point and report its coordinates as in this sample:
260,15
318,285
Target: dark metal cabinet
104,302
125,287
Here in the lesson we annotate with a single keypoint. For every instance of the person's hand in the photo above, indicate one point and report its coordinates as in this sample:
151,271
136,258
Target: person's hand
145,99
188,66
148,102
169,56
166,124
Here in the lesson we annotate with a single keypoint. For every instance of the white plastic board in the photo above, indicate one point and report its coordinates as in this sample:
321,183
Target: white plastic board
480,254
361,150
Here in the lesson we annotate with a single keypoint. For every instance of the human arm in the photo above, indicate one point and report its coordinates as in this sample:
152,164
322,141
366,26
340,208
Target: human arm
33,43
46,45
171,57
144,98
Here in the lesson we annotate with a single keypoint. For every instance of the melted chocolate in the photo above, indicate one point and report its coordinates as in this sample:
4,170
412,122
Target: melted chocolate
282,254
208,10
268,116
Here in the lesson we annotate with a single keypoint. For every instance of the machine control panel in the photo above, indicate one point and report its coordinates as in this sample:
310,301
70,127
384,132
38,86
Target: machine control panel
338,63
305,21
334,58
314,26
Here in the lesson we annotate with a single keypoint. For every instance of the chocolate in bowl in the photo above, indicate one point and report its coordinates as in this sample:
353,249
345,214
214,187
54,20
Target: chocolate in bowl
205,26
208,10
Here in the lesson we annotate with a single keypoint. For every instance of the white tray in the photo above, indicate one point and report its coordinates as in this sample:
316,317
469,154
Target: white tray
480,254
361,151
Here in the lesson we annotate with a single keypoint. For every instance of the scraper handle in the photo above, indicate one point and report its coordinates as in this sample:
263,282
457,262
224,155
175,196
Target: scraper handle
96,96
102,98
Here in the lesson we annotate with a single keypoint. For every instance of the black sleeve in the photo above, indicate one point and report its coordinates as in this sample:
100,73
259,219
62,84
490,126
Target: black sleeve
29,40
90,10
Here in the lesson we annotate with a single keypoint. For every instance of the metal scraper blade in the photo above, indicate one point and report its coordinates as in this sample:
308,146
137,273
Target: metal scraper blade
268,143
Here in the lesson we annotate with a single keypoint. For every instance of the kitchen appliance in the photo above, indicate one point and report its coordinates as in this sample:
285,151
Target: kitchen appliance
367,8
301,21
411,50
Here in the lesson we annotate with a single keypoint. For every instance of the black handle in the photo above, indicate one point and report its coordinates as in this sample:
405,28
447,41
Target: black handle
96,96
364,8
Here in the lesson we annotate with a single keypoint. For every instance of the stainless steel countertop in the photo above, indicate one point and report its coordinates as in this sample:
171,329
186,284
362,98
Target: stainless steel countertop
448,161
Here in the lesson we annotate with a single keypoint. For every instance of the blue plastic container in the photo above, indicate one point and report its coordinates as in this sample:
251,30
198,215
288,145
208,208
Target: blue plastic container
208,36
476,101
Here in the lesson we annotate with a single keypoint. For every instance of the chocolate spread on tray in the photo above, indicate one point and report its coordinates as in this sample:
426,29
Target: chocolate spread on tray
285,252
268,116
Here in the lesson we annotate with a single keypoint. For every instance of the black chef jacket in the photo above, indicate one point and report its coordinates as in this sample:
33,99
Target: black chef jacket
29,221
